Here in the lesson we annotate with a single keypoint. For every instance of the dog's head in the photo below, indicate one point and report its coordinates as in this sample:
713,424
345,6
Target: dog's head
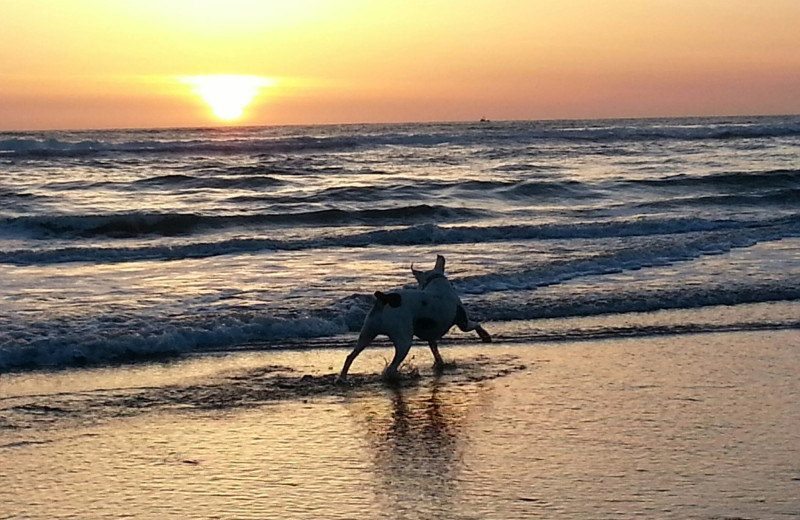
425,277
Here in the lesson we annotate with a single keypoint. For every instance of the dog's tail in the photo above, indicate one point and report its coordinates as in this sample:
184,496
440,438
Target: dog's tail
391,299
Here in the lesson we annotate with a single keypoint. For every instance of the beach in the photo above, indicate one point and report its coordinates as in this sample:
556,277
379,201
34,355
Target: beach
673,426
223,225
176,303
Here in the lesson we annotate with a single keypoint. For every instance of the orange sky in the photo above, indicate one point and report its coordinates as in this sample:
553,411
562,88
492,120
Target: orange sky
118,63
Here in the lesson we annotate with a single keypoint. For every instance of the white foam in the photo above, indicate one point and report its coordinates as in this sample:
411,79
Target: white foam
145,338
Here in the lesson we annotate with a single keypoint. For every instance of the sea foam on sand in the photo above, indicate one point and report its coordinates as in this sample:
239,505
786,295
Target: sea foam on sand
687,426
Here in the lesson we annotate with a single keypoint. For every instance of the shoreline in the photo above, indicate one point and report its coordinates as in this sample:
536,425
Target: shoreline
742,317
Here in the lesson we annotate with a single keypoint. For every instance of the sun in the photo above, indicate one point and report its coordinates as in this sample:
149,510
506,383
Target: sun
227,94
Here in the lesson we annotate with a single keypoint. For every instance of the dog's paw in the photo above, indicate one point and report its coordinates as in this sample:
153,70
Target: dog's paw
444,366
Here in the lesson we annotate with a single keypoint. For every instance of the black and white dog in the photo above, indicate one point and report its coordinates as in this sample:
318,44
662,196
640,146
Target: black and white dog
427,312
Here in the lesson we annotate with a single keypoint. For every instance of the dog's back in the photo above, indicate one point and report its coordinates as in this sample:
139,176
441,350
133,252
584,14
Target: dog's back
427,313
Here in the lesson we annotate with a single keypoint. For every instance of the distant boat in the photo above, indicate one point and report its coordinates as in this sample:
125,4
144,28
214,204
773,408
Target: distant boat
484,120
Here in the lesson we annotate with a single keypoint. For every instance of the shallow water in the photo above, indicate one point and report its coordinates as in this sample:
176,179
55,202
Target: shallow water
689,426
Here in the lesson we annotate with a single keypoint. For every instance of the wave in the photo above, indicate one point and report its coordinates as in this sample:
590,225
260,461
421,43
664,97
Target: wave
775,197
418,190
216,182
28,146
135,338
433,234
132,225
578,334
789,127
563,303
631,258
781,178
710,236
10,194
368,194
527,168
152,338
400,135
291,334
120,226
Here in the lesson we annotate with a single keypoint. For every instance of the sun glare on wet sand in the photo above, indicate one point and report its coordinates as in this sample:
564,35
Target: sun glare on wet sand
228,94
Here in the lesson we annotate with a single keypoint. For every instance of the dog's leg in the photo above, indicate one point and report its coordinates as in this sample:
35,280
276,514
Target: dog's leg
363,340
485,336
474,325
401,347
465,324
438,363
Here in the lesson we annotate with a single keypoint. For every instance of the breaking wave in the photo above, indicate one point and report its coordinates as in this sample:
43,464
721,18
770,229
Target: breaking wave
147,337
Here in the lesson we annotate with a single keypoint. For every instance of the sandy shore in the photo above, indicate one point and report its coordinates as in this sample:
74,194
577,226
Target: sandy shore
693,426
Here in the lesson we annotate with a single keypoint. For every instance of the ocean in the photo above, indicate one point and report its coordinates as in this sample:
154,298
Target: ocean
125,245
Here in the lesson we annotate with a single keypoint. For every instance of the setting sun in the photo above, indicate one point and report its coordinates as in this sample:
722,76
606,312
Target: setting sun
227,94
156,63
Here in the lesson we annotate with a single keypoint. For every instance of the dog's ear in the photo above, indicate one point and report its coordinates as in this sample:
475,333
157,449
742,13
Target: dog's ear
439,264
419,275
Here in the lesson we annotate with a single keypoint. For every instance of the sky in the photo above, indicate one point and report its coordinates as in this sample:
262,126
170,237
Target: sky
74,64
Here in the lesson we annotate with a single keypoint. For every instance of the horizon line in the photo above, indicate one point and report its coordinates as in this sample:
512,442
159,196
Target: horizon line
481,120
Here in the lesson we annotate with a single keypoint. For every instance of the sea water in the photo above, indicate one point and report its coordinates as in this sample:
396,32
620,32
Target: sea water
122,245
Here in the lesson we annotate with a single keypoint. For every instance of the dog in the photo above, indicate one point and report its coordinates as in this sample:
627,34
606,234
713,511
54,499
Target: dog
427,312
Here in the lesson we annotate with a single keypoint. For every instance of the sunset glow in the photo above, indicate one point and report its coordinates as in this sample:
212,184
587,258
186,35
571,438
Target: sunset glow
81,64
227,94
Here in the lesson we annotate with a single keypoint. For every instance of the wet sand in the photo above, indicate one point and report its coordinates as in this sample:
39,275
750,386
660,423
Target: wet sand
689,426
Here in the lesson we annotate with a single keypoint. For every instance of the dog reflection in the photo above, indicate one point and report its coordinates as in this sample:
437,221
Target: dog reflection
418,444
